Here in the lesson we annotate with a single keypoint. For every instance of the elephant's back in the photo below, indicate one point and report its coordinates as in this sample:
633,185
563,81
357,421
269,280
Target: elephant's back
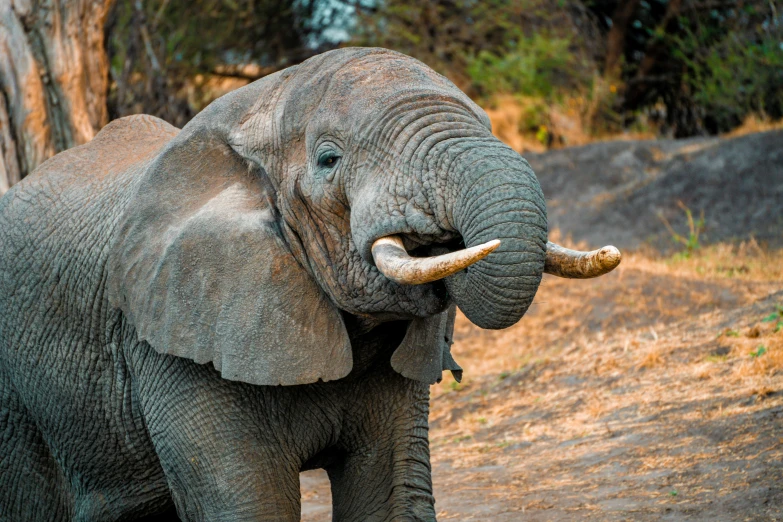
56,224
84,176
116,151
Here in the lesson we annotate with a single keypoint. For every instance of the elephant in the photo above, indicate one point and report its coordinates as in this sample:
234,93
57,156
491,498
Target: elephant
190,318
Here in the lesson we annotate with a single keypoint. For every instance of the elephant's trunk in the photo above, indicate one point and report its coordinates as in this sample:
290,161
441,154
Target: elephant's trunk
495,196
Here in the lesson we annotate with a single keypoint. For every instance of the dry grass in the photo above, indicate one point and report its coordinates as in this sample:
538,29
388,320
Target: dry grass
611,391
631,307
746,261
755,123
526,124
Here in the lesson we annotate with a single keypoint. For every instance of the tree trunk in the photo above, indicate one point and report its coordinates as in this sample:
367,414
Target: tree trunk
53,80
654,56
615,40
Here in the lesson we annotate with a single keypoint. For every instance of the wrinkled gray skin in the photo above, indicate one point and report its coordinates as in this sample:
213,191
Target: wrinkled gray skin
243,241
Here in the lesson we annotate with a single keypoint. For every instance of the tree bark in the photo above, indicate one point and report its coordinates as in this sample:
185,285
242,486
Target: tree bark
615,40
53,80
654,55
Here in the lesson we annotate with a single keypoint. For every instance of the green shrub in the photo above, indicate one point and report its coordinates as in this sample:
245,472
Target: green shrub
532,66
733,77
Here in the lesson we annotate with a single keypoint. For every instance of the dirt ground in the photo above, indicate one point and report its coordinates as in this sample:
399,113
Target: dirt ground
640,396
653,393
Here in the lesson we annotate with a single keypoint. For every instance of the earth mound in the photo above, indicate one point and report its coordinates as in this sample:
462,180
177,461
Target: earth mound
620,192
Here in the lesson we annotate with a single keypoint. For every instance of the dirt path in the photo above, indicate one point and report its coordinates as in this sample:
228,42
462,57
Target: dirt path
644,395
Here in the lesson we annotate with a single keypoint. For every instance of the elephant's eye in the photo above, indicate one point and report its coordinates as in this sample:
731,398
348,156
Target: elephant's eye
328,160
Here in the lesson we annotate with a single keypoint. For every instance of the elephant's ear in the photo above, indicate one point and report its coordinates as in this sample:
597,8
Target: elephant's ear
425,351
200,267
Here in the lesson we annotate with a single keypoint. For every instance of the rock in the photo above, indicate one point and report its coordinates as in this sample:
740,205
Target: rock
614,192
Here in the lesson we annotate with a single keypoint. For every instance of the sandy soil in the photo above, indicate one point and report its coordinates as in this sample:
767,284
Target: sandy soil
653,393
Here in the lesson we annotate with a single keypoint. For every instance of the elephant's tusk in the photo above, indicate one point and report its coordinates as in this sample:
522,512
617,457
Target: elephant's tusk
573,264
395,263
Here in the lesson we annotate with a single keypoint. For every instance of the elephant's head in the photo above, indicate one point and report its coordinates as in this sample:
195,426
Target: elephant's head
357,182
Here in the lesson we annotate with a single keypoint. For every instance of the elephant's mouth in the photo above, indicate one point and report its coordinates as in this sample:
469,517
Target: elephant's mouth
428,246
418,248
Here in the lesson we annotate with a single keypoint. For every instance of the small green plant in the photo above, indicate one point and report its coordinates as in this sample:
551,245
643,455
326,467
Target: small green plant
503,375
673,493
759,351
695,228
715,358
535,114
455,386
776,317
542,135
481,420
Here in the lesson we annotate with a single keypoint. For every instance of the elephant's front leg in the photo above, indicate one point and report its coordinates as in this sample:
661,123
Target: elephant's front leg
222,444
385,474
